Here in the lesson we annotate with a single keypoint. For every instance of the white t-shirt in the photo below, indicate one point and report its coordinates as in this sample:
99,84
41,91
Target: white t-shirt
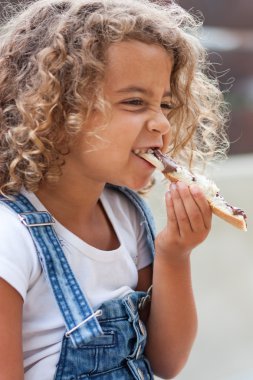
102,275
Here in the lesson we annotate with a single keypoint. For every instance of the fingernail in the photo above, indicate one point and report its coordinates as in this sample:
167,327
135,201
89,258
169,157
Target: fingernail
168,194
194,189
182,185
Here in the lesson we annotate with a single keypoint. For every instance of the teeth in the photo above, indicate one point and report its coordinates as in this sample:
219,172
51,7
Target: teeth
143,151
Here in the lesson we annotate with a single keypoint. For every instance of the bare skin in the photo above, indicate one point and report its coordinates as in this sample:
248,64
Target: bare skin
11,356
137,85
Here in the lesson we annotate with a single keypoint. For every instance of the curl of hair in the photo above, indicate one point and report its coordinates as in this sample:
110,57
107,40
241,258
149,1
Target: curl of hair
52,62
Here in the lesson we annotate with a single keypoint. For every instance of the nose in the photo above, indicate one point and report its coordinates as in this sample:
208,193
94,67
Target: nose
158,123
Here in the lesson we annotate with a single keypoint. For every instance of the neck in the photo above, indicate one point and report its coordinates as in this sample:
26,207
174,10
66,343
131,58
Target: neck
67,199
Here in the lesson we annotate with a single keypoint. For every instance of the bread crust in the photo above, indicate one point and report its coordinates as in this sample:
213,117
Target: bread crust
236,221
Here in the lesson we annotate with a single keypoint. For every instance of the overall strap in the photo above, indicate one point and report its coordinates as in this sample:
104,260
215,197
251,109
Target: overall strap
80,320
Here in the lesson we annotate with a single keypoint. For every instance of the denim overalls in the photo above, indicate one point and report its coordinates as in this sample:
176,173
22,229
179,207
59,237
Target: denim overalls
105,344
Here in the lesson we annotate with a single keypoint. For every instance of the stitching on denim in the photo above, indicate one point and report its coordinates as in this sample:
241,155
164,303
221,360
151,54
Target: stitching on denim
111,334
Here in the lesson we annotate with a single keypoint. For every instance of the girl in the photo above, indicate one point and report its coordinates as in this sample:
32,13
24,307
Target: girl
86,85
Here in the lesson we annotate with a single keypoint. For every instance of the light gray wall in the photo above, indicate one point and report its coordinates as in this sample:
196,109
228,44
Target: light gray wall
222,271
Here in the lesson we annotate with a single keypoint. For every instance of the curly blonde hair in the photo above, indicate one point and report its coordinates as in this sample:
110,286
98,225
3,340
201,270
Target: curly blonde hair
52,62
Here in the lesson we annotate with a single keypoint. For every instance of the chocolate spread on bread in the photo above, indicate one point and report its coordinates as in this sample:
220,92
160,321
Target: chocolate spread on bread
169,164
237,211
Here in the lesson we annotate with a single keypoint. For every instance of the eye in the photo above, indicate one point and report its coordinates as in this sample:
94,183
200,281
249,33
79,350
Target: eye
167,106
134,102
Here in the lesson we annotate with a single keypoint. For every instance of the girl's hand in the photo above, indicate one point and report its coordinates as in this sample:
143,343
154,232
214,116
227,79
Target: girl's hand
189,222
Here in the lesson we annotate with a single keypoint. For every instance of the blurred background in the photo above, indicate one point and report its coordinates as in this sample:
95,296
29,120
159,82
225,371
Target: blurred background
222,268
222,276
228,35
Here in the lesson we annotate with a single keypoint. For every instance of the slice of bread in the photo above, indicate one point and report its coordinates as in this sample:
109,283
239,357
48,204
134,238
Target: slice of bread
175,172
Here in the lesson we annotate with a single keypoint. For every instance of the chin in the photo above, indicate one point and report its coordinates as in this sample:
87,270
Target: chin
141,186
134,183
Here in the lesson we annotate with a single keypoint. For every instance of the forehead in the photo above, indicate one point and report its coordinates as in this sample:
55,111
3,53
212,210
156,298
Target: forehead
137,64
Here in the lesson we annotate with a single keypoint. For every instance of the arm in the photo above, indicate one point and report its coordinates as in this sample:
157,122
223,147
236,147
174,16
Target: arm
11,355
172,321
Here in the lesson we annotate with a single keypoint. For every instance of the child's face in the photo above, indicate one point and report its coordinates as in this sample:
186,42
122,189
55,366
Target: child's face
137,85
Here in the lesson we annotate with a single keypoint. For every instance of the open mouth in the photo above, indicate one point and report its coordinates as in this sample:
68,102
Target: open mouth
149,155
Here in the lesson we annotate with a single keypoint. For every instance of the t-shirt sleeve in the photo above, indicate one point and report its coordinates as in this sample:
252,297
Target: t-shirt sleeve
18,258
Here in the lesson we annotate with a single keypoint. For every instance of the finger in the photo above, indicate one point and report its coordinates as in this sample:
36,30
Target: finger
203,205
192,208
172,220
180,211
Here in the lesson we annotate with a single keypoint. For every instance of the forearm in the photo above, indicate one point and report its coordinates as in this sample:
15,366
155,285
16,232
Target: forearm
172,321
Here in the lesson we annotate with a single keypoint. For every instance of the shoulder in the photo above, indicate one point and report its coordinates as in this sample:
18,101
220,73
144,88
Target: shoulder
18,258
11,229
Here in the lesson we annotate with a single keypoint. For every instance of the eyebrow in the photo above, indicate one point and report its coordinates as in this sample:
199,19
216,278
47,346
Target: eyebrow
141,90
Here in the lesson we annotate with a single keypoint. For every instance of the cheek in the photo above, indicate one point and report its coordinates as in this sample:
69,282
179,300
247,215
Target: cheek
166,142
